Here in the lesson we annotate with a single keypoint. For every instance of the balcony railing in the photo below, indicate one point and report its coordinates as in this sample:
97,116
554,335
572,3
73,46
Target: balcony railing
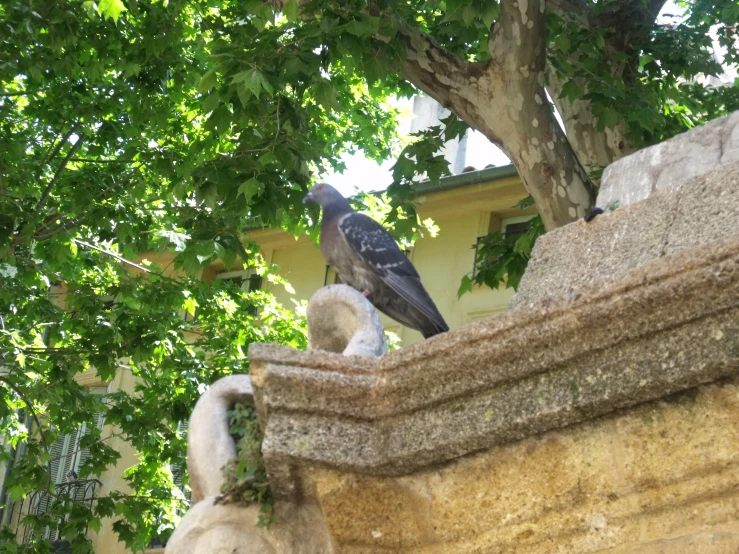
81,491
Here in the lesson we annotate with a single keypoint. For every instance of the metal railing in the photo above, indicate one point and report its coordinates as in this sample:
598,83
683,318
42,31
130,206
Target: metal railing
81,491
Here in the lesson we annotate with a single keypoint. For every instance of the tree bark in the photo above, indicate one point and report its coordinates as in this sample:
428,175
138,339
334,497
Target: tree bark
594,148
505,99
632,21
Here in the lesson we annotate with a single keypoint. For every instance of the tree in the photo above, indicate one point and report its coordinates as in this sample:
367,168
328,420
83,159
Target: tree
131,127
619,78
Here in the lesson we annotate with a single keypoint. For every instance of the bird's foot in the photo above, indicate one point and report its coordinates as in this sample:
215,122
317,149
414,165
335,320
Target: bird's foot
366,293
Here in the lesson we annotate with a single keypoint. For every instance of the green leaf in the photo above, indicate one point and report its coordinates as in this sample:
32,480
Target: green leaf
570,90
647,119
267,159
609,118
189,305
254,80
179,240
326,96
211,102
291,10
465,286
250,188
469,13
208,81
111,9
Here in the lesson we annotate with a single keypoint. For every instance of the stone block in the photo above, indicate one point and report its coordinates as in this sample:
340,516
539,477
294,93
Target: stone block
670,164
656,479
701,211
668,326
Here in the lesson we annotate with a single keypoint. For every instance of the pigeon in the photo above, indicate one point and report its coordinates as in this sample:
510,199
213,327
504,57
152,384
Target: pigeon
366,257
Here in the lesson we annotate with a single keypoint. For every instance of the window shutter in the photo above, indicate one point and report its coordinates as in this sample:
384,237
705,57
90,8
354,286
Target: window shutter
83,454
58,454
178,472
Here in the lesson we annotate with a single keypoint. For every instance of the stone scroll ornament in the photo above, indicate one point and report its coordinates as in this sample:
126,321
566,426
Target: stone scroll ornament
340,320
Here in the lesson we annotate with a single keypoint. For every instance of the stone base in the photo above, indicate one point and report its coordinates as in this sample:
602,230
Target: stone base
661,478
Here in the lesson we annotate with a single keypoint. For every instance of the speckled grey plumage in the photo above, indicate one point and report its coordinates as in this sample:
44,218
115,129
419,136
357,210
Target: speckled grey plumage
366,257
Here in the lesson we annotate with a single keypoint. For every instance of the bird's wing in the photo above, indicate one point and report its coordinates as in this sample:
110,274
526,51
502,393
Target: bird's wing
376,247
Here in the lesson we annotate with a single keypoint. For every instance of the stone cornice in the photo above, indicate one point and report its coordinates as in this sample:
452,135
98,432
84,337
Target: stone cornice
667,326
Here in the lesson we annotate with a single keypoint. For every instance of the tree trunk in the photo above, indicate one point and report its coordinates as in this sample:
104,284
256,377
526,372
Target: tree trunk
595,149
505,99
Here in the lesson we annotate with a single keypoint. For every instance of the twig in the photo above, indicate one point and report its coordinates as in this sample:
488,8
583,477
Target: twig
52,151
117,257
47,190
113,255
38,426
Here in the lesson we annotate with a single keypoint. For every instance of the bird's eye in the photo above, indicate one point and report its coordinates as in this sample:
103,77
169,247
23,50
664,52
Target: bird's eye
319,187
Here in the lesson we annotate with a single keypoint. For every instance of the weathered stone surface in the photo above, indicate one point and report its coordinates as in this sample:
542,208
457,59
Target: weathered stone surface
209,443
210,528
232,528
700,212
340,319
670,164
660,478
668,326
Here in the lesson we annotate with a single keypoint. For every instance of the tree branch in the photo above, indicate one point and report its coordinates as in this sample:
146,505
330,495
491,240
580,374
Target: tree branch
38,426
53,151
440,73
62,167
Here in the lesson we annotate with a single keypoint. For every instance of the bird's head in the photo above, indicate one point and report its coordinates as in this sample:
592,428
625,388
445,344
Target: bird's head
322,194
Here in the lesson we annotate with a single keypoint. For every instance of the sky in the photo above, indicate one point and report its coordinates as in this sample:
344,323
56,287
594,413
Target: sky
366,174
362,173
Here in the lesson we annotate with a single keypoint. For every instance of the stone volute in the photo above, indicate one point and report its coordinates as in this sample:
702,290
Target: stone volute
340,320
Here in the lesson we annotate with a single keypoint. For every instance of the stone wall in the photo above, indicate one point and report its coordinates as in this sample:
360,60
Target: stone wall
659,478
680,194
601,414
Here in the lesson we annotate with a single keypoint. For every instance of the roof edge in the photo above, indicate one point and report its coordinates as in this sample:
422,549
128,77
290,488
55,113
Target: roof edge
465,179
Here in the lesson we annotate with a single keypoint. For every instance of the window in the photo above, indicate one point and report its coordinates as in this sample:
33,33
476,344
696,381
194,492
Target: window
248,280
511,228
178,473
66,459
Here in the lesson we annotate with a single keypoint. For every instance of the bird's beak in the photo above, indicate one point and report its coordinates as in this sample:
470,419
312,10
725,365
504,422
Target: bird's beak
307,198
